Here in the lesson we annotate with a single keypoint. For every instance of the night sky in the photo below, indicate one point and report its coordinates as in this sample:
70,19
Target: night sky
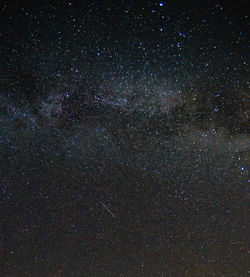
124,138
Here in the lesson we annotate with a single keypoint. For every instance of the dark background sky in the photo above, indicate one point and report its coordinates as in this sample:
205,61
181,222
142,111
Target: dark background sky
124,138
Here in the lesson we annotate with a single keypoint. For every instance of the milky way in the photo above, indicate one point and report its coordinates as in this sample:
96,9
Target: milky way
124,138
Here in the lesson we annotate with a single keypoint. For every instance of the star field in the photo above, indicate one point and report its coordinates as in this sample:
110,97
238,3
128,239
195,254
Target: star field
124,138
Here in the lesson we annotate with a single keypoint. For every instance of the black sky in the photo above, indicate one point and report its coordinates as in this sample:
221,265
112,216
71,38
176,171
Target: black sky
124,138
